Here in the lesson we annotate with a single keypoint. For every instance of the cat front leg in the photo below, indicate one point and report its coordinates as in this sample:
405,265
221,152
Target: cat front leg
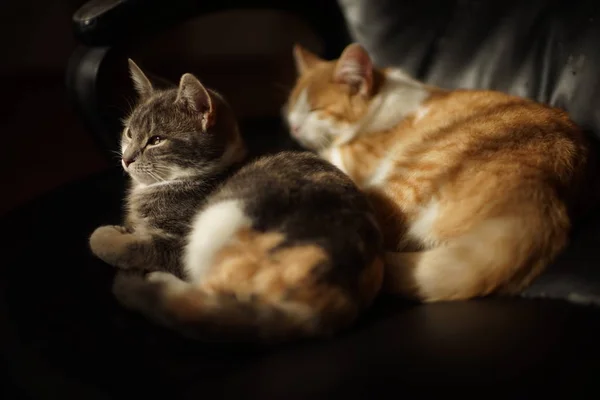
119,247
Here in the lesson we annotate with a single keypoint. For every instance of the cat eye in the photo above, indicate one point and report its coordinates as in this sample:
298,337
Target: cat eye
128,133
154,140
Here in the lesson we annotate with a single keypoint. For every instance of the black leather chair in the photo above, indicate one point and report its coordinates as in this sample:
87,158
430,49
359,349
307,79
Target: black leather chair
65,337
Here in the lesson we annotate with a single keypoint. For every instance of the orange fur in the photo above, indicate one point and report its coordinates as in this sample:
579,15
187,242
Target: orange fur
474,190
253,280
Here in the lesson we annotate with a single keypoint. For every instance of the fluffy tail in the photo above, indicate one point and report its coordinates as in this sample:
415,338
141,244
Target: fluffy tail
502,255
200,312
245,284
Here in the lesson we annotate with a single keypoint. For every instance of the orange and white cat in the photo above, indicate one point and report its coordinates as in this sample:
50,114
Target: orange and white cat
475,190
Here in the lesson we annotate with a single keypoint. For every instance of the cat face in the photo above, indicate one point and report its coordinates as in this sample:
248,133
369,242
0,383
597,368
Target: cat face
177,133
331,98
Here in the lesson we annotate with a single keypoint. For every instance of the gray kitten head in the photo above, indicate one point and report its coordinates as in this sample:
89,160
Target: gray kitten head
186,131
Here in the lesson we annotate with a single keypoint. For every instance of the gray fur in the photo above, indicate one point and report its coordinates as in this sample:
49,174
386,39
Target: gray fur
197,161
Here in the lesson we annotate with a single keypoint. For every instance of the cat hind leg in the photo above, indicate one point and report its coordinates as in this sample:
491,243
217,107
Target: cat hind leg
498,255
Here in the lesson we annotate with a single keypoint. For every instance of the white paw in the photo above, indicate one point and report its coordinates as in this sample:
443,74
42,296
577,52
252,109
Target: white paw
160,277
105,242
169,283
106,233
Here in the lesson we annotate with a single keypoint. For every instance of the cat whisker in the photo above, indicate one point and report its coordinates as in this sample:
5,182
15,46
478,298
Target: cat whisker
322,140
130,105
154,176
117,154
161,172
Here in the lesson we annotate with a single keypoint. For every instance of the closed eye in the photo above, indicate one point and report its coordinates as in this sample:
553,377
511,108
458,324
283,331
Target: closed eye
127,133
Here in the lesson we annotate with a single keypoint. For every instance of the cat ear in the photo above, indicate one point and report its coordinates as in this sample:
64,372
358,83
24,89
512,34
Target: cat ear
142,84
304,59
195,96
355,68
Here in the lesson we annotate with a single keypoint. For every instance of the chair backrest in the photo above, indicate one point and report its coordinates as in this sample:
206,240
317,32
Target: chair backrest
545,50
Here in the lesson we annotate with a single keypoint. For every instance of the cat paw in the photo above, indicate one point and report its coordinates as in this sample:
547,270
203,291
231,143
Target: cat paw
123,230
126,288
106,243
169,283
160,276
106,233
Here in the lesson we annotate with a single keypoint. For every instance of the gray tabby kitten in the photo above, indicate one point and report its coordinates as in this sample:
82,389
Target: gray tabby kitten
280,248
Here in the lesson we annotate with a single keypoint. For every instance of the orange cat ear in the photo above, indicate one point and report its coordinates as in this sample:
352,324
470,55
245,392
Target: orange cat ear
304,59
142,84
196,97
355,68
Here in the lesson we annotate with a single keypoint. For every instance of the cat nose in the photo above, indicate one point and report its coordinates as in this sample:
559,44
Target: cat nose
127,161
294,129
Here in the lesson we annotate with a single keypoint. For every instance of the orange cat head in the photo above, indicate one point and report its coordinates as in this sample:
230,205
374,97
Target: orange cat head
331,99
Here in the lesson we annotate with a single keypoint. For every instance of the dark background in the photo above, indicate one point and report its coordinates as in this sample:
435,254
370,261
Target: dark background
46,145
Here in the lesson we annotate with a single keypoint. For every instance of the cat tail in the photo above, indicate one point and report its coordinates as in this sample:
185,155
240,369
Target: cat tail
220,315
498,256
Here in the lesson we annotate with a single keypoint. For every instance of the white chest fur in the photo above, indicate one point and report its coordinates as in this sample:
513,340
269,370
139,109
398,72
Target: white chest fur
335,157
